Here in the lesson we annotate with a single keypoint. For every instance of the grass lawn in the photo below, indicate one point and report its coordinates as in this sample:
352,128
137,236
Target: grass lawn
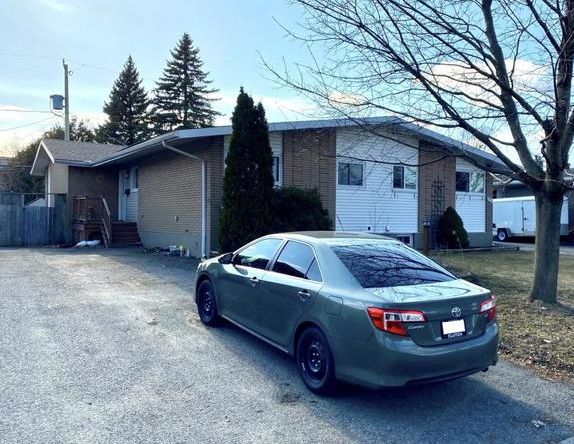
534,335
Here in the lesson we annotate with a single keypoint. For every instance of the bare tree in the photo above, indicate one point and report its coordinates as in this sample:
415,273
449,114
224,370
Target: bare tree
498,70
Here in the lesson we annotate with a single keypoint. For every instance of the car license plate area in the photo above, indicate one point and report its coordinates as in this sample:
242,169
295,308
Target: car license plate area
453,329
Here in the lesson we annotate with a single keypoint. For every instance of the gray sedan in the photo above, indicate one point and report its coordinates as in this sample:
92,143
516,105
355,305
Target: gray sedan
359,308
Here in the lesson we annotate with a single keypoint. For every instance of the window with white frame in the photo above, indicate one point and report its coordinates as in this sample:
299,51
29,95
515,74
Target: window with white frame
469,182
350,173
404,177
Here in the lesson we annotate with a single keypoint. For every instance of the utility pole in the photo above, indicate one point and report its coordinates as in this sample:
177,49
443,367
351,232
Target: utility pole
67,103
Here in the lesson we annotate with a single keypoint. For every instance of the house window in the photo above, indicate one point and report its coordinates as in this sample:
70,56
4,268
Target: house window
276,170
469,182
350,174
134,178
404,177
405,239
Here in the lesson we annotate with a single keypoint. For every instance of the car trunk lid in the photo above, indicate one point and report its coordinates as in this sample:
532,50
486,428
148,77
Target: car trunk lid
451,309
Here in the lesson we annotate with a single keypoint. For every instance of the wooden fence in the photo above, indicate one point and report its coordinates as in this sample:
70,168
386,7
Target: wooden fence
28,222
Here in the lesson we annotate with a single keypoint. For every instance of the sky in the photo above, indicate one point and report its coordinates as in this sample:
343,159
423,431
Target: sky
97,36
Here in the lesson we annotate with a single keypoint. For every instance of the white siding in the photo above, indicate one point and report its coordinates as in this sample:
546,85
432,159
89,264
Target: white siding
376,205
132,206
471,207
276,142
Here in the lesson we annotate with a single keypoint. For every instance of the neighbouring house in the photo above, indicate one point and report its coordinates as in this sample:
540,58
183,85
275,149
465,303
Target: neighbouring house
379,175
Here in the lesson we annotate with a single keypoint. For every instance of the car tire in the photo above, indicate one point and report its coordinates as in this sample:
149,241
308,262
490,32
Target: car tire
315,362
502,235
207,303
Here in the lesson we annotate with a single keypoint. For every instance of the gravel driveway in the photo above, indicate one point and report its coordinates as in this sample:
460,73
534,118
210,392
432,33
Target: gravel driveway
105,346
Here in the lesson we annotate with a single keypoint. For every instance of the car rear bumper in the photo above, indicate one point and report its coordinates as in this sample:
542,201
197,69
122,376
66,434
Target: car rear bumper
386,360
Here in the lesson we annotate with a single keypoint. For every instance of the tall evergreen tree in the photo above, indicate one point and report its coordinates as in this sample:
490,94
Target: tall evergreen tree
182,96
126,109
248,179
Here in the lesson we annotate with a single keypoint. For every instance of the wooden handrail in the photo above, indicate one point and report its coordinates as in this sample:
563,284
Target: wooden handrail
94,210
107,221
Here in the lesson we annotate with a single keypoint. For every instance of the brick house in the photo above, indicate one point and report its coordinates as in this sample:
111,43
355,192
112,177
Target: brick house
383,176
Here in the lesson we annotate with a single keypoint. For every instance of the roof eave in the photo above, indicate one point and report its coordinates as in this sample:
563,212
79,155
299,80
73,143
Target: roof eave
34,170
156,141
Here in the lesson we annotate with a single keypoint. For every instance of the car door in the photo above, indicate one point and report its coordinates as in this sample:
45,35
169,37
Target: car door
239,284
287,291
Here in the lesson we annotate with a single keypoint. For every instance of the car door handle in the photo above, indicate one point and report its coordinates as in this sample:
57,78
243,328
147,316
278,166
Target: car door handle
254,281
304,295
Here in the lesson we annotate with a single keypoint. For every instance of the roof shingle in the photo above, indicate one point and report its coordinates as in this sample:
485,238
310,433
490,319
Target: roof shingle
78,151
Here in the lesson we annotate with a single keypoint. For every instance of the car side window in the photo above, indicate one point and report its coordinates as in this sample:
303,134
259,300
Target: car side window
257,255
314,273
295,260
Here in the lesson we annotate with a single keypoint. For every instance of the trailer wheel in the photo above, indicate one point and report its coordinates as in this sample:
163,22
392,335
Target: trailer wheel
501,235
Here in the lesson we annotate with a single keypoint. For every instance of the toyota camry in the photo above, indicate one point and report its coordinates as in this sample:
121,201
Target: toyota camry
359,308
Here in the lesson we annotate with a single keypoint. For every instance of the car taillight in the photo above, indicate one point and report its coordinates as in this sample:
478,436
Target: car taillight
391,320
488,307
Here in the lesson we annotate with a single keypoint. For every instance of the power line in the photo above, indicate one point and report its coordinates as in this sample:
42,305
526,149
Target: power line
28,124
82,64
23,111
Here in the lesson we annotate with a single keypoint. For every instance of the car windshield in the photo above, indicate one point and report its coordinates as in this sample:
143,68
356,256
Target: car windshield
377,264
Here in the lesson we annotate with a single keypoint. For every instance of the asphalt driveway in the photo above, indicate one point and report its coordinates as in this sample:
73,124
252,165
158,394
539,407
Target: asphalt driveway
105,346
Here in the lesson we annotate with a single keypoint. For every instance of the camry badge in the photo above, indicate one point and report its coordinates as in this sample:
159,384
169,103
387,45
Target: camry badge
456,312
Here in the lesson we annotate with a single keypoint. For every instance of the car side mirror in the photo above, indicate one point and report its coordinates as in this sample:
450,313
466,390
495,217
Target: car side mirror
226,258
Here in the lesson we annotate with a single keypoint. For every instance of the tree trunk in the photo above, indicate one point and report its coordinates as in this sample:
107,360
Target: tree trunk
547,258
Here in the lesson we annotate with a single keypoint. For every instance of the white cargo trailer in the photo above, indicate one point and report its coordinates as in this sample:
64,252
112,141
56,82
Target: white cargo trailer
516,216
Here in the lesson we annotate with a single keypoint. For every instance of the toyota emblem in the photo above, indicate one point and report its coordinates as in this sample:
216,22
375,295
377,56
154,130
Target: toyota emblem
456,312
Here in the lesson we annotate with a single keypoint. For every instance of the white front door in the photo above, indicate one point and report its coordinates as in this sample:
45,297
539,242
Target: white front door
123,185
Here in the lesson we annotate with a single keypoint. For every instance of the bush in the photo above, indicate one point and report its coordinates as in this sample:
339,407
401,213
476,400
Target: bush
450,230
294,209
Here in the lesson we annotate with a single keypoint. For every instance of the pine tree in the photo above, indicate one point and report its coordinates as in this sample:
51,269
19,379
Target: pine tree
248,179
126,109
182,96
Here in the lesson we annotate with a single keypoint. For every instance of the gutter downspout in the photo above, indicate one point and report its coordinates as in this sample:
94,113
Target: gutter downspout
203,194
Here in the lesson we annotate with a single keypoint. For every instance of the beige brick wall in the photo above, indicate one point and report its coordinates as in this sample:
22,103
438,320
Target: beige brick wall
309,163
170,196
214,190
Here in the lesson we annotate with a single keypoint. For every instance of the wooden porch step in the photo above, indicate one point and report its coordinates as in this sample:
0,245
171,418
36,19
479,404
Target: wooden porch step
125,244
125,234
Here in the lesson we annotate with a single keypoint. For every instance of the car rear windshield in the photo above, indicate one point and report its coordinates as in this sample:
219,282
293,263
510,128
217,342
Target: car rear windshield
382,264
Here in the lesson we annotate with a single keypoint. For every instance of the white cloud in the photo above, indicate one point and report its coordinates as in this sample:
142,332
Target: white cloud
92,118
527,77
276,108
338,98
